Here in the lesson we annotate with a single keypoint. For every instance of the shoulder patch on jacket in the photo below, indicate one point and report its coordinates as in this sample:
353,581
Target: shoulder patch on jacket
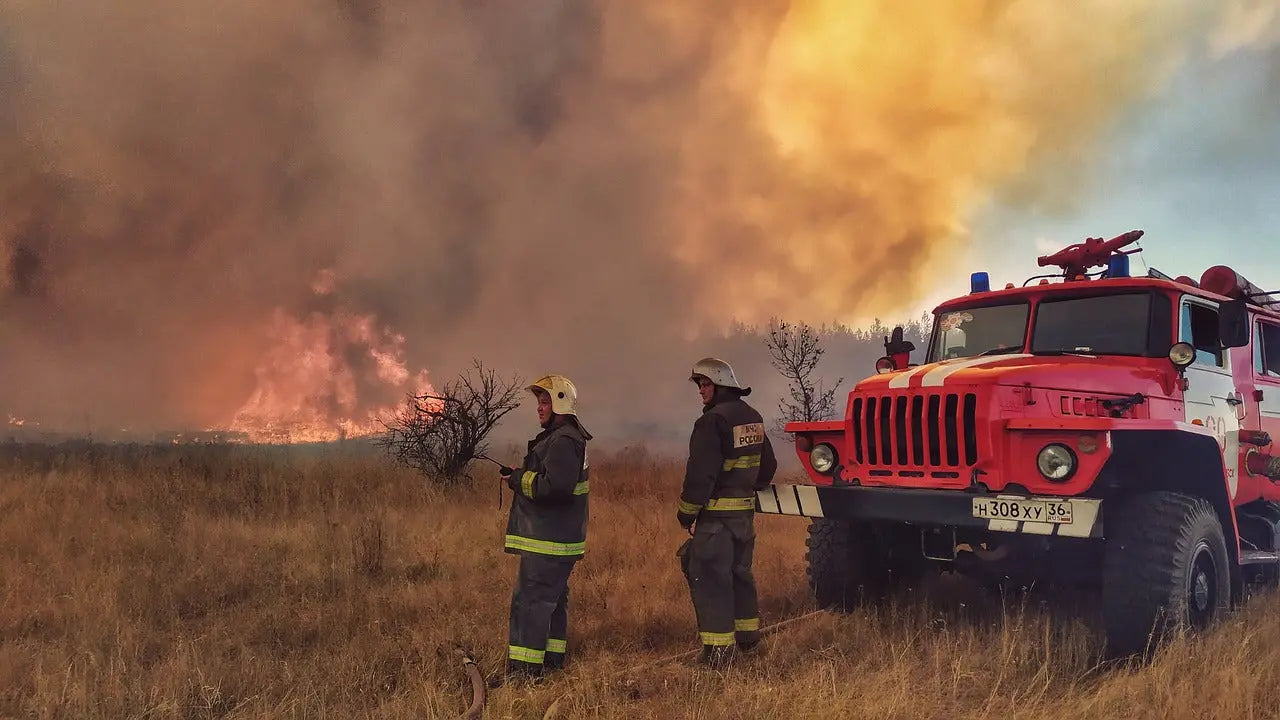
749,434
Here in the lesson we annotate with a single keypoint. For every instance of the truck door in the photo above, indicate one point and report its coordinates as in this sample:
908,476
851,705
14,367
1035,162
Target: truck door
1265,398
1211,398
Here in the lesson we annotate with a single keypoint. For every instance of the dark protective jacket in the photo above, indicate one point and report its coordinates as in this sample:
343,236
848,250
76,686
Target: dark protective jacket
730,458
549,512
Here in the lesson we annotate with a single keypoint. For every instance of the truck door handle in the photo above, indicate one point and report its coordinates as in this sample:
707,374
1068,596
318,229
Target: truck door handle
1234,399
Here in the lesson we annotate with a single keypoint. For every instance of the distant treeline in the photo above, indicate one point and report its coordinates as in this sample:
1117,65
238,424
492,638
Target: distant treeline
850,353
845,346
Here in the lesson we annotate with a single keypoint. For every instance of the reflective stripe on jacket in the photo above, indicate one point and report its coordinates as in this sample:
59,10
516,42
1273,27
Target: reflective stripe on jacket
548,515
730,457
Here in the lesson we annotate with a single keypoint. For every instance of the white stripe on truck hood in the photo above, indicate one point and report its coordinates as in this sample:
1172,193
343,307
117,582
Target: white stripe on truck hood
938,375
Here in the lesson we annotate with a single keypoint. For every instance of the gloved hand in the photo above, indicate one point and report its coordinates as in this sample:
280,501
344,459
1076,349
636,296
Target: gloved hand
509,475
686,519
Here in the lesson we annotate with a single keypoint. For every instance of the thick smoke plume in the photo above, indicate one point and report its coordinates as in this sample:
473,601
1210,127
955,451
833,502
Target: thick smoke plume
588,187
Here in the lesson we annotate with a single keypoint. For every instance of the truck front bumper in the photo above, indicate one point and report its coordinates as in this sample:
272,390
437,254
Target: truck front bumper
1068,516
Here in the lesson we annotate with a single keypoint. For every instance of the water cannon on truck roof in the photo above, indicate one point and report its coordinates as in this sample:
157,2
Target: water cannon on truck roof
1076,260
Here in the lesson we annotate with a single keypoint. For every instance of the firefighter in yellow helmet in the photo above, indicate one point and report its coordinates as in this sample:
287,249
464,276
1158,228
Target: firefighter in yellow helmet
547,528
730,458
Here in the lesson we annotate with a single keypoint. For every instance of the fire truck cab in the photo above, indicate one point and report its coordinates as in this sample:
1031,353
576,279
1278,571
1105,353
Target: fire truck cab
1090,428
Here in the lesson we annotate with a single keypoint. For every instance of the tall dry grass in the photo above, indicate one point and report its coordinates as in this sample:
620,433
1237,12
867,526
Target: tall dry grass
281,583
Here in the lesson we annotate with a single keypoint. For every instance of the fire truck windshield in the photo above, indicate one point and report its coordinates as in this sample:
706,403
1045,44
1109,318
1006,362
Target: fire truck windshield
1103,325
1114,324
981,330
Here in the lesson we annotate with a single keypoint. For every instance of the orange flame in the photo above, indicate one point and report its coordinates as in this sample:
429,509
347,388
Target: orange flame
323,378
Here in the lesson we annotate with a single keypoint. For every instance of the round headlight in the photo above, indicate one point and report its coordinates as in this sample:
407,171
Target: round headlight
822,458
1182,355
1056,462
884,365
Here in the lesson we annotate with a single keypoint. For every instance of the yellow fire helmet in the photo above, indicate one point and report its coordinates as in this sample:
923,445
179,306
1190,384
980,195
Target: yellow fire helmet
718,372
564,397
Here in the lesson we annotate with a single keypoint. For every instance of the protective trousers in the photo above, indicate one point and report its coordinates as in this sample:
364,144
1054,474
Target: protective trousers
539,614
718,568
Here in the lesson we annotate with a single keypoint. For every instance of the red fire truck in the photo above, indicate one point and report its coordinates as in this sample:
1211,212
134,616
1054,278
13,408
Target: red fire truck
1087,427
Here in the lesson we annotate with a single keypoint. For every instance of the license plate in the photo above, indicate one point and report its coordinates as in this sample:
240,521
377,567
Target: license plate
1050,511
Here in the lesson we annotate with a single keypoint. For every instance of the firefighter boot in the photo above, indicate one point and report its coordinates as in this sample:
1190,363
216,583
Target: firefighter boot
716,657
556,652
748,640
518,673
557,646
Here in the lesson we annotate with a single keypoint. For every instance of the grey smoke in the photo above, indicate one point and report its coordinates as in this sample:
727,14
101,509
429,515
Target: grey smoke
582,187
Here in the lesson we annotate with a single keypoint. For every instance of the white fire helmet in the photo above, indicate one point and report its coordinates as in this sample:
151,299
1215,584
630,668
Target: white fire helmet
718,372
564,396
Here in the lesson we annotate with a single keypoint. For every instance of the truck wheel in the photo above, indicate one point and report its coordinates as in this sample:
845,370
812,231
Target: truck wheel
845,563
1165,570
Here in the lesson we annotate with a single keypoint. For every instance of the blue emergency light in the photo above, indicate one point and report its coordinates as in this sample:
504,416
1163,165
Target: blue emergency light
1118,266
979,282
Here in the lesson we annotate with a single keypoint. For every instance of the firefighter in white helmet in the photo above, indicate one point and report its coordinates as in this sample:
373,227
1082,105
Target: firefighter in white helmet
547,528
730,458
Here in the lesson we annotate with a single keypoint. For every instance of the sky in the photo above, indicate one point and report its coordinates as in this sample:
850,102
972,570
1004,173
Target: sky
1196,166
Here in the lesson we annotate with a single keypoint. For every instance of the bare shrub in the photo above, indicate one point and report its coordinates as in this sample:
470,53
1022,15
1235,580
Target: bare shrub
795,350
440,434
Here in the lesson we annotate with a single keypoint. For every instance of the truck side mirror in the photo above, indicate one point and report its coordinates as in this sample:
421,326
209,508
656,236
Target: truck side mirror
1233,324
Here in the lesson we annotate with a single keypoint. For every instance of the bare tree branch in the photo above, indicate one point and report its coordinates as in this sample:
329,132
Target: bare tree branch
795,350
440,434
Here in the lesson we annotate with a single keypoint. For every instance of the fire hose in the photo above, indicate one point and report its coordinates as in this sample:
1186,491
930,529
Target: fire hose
478,687
764,632
501,467
476,711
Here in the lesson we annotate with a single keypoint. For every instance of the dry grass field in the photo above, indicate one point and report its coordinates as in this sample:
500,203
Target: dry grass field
225,582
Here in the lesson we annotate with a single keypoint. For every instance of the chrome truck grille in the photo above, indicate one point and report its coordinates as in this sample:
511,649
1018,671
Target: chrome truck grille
924,430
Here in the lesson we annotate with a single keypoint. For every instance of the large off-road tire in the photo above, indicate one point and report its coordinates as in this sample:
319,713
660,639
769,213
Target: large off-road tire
850,563
1165,570
829,558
